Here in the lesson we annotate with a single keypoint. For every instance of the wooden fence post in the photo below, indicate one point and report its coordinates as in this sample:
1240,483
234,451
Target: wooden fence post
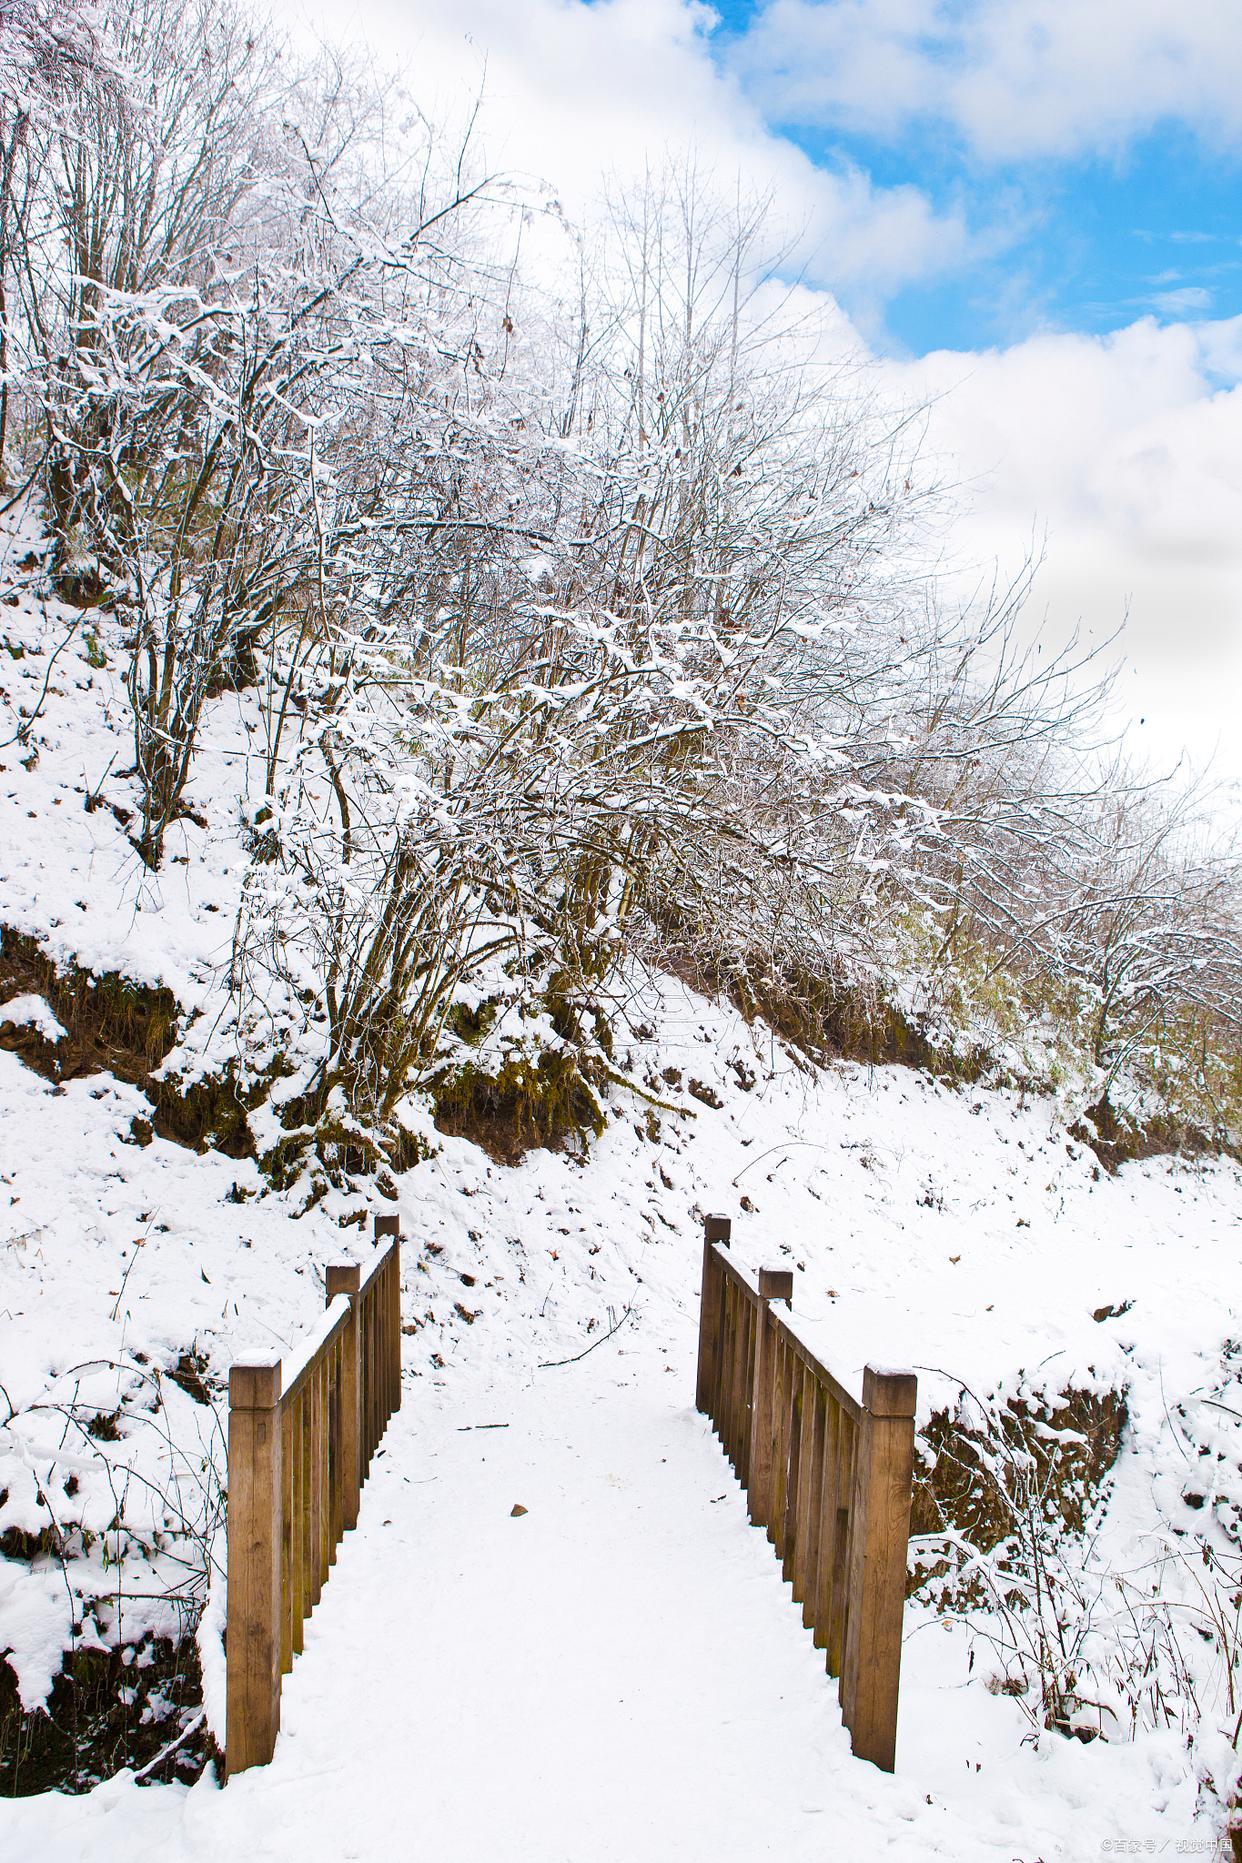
774,1284
254,1580
879,1539
716,1229
346,1279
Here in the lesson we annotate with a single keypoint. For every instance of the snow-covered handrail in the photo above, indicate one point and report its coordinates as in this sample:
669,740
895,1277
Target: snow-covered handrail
828,1473
302,1432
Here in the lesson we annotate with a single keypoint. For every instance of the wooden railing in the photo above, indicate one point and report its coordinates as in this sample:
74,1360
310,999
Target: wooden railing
302,1431
827,1473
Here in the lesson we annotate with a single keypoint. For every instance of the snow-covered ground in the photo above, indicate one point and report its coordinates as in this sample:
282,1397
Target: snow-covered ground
619,1672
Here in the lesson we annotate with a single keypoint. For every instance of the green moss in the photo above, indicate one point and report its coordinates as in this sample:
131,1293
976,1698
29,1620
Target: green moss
209,1114
471,1025
550,1101
111,1023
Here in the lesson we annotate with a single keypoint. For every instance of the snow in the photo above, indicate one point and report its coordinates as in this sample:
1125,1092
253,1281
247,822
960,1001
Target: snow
621,1668
31,1012
619,1672
69,875
295,1362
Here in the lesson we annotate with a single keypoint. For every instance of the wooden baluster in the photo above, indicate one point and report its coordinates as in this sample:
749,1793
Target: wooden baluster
372,1371
314,1483
394,1327
741,1359
789,1551
385,1227
381,1349
332,1440
780,1451
879,1542
308,1501
301,1603
760,1484
340,1446
396,1321
737,1407
345,1279
364,1392
806,1578
774,1284
839,1623
783,1400
722,1298
287,1519
390,1356
730,1371
726,1371
737,1418
373,1329
324,1468
750,1317
254,1581
717,1231
381,1352
829,1486
319,1380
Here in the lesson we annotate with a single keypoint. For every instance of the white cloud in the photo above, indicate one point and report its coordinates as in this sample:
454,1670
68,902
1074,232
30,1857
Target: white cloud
1182,301
1016,78
577,93
1128,449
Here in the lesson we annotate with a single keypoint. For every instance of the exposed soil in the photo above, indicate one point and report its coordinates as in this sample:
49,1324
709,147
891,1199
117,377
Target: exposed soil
1116,1140
967,1482
114,1025
526,1105
105,1713
111,1024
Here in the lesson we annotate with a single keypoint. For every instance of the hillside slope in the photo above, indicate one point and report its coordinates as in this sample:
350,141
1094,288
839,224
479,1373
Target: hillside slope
638,1632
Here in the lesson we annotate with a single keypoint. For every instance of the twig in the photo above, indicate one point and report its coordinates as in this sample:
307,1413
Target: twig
172,1746
553,1363
22,733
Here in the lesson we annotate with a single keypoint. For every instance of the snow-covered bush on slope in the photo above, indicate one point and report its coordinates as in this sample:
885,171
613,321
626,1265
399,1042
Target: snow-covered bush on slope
575,617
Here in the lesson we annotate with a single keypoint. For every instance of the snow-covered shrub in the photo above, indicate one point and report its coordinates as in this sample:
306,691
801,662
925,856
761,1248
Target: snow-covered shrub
590,613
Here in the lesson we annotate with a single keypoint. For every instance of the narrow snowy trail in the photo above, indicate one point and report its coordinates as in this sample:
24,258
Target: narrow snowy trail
616,1675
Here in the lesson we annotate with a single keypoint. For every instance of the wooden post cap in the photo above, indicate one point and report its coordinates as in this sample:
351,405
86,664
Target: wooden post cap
887,1393
776,1284
387,1226
717,1229
255,1385
343,1277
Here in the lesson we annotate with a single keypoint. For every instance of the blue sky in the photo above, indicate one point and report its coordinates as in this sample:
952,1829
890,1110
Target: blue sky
1086,244
1068,231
